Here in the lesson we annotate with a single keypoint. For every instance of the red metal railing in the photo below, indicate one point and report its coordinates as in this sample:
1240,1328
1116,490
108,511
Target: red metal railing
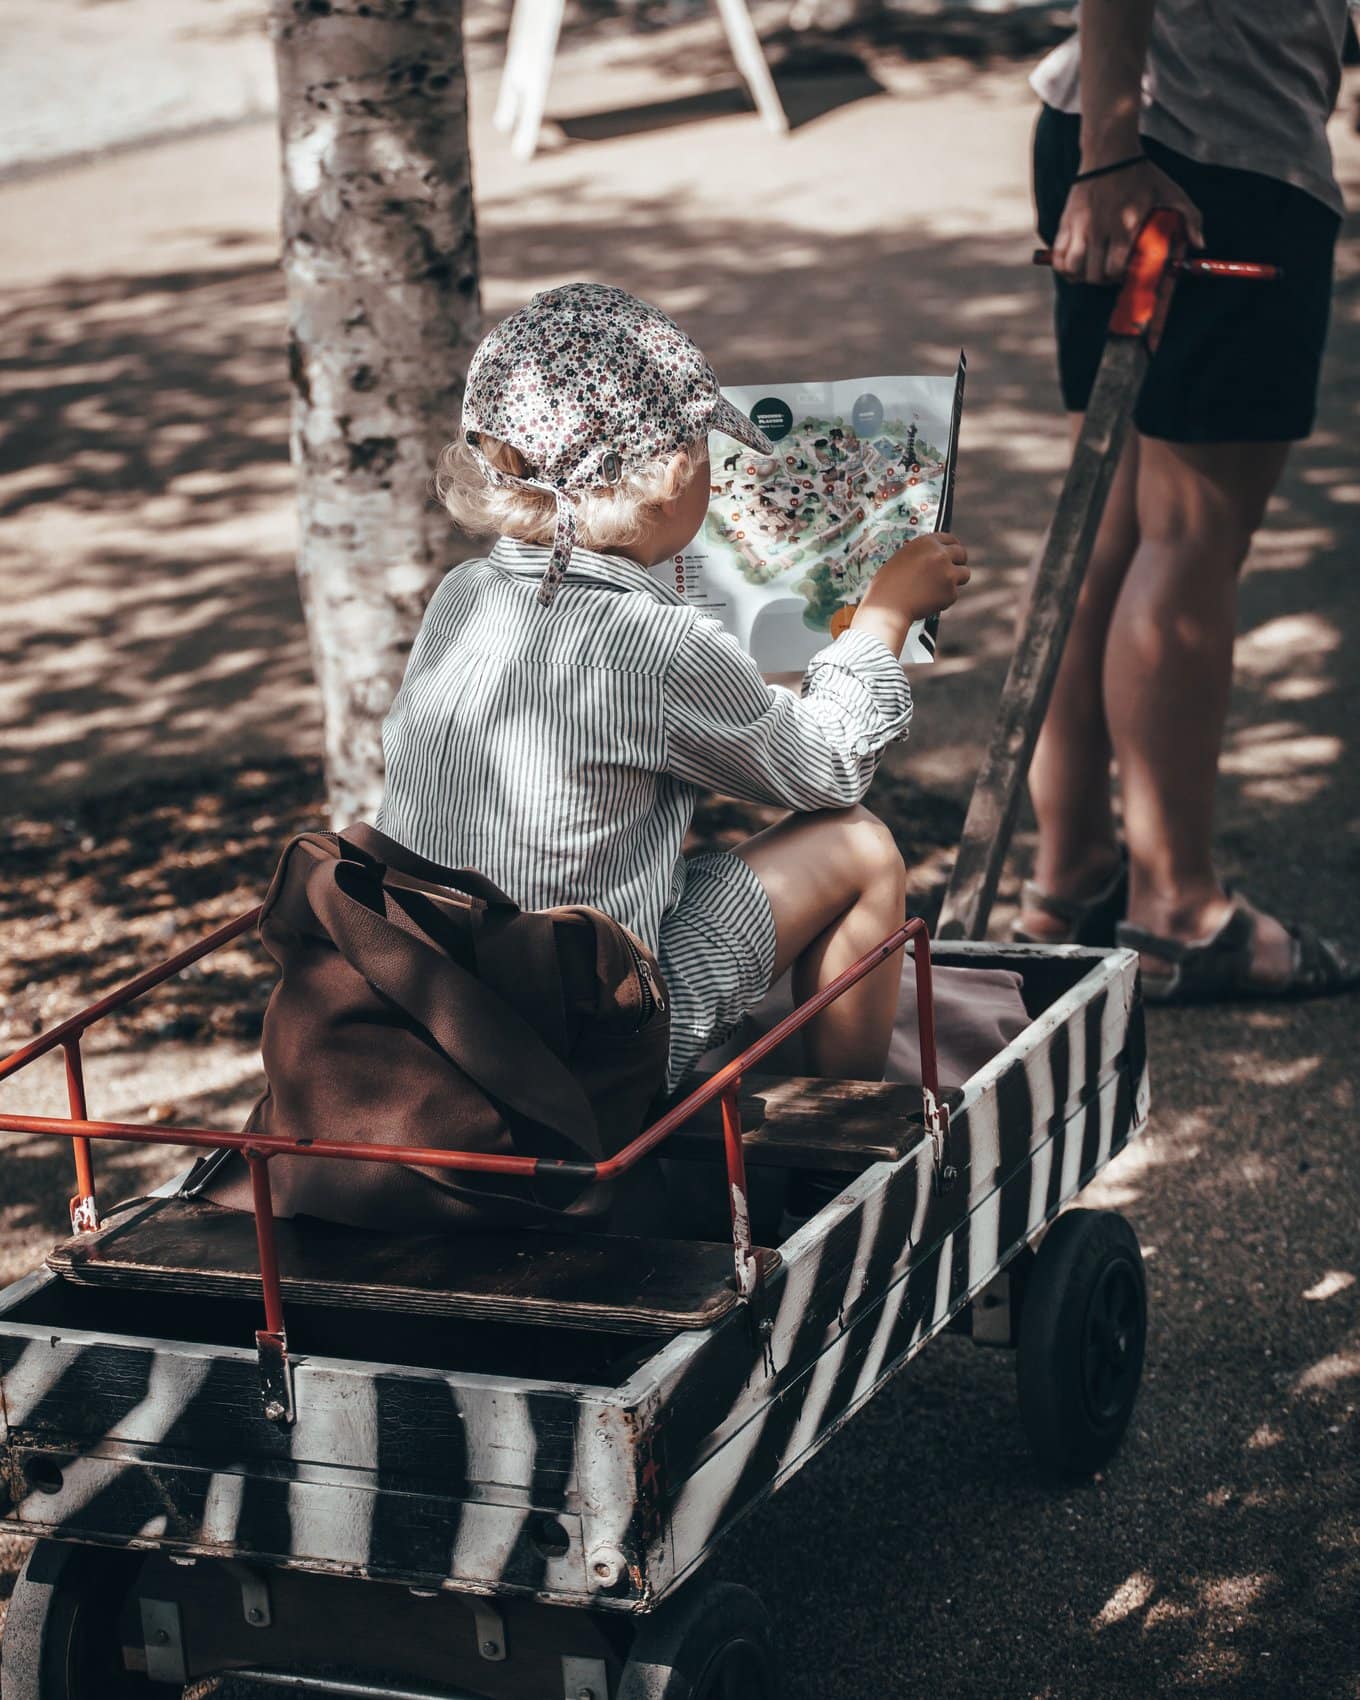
258,1149
67,1034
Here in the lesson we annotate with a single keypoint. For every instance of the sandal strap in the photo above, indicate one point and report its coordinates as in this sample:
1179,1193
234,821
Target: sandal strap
1318,964
1067,909
1073,911
1209,969
1200,967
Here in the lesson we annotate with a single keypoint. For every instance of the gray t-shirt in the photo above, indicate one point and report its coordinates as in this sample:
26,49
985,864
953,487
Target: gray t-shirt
1243,83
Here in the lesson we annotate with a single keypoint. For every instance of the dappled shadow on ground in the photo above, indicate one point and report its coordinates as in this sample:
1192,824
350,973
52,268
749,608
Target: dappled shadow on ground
120,387
152,665
146,497
160,404
94,896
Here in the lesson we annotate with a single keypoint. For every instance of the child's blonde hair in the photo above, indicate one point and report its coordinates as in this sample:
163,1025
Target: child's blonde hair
610,517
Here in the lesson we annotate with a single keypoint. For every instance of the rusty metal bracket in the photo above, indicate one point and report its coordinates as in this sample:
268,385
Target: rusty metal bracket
254,1586
163,1635
276,1376
84,1210
760,1325
85,1215
490,1630
747,1264
937,1130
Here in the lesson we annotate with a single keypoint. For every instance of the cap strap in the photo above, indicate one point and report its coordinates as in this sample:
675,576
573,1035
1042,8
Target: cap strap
564,530
564,541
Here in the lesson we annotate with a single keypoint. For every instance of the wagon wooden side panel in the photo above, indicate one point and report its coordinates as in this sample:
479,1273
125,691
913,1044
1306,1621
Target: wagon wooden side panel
389,1472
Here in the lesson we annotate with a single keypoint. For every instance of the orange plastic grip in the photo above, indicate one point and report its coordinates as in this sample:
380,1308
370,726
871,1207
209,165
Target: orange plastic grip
1145,294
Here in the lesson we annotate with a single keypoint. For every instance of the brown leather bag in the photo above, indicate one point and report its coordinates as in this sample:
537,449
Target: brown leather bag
418,1005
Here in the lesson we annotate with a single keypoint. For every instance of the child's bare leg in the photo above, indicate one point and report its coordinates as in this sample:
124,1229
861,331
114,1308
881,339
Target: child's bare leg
837,886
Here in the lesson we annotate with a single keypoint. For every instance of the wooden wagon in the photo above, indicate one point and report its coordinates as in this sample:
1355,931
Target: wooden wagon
489,1466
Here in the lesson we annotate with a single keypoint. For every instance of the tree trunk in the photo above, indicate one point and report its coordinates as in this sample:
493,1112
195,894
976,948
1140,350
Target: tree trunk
380,258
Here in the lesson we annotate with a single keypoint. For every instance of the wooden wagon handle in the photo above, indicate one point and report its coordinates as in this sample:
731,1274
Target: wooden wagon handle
1136,322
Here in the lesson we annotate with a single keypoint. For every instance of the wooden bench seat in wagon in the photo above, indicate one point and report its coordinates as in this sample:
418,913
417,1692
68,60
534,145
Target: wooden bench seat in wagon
597,1281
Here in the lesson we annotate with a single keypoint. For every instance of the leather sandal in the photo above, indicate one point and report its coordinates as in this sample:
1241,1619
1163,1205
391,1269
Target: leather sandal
1090,921
1218,969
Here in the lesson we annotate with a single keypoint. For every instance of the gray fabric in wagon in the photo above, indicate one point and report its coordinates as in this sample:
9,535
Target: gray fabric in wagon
978,1011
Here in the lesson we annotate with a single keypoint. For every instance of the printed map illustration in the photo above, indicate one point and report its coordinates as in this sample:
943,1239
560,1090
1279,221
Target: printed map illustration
791,540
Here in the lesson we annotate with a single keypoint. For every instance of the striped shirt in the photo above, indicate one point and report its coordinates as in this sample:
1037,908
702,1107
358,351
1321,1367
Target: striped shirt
560,752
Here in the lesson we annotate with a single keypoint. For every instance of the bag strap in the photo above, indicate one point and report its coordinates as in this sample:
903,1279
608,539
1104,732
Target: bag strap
475,1027
363,842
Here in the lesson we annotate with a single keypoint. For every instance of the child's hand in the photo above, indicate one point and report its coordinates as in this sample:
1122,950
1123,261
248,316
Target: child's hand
925,575
921,579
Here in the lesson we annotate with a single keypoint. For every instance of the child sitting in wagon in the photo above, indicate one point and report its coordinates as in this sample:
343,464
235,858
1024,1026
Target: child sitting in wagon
562,707
561,710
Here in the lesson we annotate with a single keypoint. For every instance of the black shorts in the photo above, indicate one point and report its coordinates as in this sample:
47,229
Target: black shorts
1238,361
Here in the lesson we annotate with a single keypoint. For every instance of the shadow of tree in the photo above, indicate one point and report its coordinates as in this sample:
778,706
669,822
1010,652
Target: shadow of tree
144,447
151,671
129,878
91,363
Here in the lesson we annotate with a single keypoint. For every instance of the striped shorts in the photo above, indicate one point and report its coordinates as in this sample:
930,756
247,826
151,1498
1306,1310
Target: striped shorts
716,952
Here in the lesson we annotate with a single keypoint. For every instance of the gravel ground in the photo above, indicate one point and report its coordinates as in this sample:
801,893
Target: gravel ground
158,707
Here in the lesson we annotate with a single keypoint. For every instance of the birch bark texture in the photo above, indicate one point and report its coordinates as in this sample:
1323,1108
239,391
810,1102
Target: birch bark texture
380,261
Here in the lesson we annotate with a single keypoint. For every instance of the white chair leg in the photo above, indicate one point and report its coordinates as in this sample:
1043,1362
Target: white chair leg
540,51
751,62
517,41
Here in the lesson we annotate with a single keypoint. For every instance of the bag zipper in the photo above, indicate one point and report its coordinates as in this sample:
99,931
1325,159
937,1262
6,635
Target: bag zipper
653,999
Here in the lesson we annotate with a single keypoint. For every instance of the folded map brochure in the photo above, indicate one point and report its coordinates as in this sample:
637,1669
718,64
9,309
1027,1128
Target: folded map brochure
791,540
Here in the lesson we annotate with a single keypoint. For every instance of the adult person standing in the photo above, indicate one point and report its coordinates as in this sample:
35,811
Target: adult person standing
1217,108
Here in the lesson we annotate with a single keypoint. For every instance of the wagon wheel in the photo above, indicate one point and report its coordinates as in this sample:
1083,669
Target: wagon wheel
713,1643
1083,1327
61,1637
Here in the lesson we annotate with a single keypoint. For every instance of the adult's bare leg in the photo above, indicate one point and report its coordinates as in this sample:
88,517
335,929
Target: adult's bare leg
1069,777
1168,675
837,886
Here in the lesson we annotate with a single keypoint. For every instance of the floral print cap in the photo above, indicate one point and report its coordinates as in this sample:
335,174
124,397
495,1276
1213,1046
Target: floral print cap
586,381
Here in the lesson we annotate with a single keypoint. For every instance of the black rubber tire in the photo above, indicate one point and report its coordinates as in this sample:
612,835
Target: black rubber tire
713,1642
61,1636
1083,1329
